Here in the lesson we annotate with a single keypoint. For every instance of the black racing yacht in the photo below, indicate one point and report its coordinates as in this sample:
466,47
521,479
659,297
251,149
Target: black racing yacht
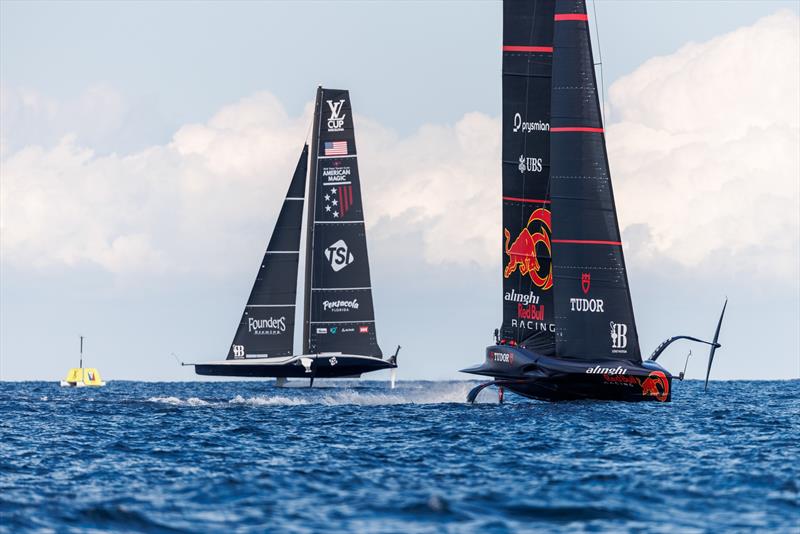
568,328
339,337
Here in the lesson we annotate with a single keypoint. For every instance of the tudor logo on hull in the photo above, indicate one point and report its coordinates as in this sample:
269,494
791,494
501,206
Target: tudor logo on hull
336,118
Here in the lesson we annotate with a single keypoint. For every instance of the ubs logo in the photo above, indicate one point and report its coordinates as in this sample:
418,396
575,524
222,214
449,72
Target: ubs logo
336,119
339,256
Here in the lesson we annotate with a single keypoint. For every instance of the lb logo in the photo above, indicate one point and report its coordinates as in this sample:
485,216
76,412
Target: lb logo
656,385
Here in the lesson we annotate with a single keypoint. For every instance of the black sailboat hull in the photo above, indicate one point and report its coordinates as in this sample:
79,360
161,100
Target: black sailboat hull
303,366
546,378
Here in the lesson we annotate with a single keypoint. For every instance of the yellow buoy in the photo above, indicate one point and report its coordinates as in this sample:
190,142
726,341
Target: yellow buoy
80,376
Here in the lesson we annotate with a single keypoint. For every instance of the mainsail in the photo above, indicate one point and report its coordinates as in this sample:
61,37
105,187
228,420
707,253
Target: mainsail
339,314
267,324
527,272
593,310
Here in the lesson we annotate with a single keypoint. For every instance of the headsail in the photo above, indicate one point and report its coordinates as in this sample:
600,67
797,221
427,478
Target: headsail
339,315
267,325
527,273
593,309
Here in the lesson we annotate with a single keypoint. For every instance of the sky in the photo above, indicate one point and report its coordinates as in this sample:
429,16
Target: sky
145,149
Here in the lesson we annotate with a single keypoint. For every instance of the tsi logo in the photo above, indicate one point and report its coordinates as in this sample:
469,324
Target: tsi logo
527,164
619,339
336,119
339,255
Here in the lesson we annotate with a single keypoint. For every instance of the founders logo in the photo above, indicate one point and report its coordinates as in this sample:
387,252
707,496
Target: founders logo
619,337
266,327
238,351
339,255
336,118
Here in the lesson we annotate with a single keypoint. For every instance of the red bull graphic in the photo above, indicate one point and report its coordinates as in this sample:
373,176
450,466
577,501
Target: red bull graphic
522,252
656,385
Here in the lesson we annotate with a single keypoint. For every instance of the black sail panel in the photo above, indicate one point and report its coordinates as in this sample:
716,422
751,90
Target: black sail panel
339,311
267,325
527,272
594,313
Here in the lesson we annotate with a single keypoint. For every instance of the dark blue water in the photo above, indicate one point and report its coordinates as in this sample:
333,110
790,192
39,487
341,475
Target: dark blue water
361,458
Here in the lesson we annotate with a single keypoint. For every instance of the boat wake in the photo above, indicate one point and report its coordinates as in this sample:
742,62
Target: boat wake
432,393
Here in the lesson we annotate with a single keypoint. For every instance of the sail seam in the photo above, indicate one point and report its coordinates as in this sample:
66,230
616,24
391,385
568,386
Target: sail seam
340,288
270,305
340,322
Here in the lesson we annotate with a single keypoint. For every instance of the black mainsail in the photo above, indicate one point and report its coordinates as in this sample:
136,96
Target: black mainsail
594,312
527,272
267,325
339,315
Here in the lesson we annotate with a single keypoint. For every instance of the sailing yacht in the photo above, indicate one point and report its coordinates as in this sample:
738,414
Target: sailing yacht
338,331
568,328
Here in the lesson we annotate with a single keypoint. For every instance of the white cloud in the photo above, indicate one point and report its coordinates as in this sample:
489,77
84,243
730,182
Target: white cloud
704,154
705,151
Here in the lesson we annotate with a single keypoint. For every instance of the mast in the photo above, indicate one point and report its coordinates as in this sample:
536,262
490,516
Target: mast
81,361
312,195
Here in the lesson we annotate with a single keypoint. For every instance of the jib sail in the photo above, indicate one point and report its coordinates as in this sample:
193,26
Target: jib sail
527,272
593,310
267,325
339,312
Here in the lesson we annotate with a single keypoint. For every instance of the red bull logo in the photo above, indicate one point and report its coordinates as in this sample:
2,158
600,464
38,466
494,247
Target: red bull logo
522,252
656,385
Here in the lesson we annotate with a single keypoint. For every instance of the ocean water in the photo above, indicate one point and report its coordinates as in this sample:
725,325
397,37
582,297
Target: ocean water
358,457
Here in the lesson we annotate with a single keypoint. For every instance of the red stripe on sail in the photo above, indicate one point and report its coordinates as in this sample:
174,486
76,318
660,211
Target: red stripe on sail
519,48
530,200
576,129
350,192
570,16
586,242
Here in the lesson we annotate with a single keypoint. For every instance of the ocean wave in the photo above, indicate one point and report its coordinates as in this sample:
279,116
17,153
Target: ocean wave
175,401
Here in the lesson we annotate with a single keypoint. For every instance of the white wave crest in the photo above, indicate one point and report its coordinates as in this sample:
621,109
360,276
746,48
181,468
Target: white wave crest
277,400
175,401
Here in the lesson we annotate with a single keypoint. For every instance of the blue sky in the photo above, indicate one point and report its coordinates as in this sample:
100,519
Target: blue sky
143,145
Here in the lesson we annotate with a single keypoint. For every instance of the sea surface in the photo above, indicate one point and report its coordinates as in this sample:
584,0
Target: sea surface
359,457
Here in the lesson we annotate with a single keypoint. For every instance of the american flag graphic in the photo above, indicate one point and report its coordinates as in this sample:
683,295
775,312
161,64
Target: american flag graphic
335,148
338,200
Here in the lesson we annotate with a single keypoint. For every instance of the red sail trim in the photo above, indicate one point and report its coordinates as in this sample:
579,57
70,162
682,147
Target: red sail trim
516,48
586,242
570,16
576,129
530,200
